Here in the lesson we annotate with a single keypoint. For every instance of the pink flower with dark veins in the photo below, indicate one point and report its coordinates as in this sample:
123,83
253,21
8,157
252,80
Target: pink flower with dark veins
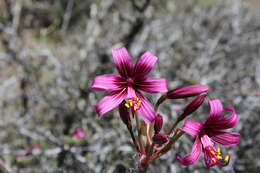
126,85
209,133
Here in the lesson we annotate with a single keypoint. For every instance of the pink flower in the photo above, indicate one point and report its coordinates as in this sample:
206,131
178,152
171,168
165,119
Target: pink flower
187,91
78,133
126,84
210,132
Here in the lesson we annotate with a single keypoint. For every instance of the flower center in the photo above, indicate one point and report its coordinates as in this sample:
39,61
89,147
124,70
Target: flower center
133,103
130,81
216,156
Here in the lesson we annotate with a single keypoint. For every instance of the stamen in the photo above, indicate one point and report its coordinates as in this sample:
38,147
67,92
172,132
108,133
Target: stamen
219,151
127,105
133,103
213,152
219,157
227,158
214,160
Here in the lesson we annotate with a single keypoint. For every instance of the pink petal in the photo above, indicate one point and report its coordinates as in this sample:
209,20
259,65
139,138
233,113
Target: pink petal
146,111
130,93
206,141
193,156
192,127
223,123
110,82
145,64
216,108
112,100
225,138
152,85
122,61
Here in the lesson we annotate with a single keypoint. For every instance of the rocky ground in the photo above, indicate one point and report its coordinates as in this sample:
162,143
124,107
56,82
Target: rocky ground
49,51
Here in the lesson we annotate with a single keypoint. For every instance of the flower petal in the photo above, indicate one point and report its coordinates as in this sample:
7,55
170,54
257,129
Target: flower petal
216,108
152,85
146,111
130,93
112,100
110,82
225,138
144,64
206,141
122,61
193,156
192,127
223,123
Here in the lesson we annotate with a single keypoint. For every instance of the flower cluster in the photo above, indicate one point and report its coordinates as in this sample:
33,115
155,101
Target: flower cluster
125,92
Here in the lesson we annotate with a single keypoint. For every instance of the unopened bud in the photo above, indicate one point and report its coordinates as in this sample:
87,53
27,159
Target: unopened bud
193,106
160,138
187,91
124,113
158,123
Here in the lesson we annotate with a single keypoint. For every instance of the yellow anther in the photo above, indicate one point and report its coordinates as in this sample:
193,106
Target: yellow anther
219,151
227,158
212,152
127,105
214,160
219,157
131,102
135,108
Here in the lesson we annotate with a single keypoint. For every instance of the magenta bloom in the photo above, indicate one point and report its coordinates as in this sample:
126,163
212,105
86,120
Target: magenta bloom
210,132
126,84
79,134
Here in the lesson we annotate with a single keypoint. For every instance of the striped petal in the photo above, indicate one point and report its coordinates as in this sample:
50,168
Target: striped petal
192,127
216,108
146,111
110,82
193,156
122,61
109,102
152,85
220,123
144,64
225,138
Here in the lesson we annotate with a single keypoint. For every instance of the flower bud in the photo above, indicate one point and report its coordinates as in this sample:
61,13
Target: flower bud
187,91
158,123
78,133
193,106
124,113
160,138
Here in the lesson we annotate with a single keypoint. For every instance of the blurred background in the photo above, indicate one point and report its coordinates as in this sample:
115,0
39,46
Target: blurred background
50,49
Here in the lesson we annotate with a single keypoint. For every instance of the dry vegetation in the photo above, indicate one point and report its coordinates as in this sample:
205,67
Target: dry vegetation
50,49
